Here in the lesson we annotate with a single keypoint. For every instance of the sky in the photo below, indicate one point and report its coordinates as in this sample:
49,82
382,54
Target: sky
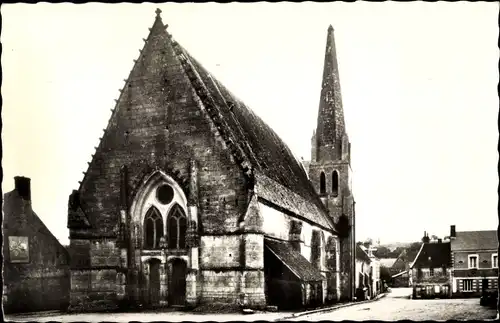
418,85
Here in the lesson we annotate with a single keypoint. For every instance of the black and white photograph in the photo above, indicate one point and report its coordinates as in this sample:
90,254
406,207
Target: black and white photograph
250,161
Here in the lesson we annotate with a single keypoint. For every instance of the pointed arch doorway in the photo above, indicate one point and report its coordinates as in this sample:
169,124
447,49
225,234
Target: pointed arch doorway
177,283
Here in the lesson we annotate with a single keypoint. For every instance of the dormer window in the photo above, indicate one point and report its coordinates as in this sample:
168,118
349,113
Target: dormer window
494,260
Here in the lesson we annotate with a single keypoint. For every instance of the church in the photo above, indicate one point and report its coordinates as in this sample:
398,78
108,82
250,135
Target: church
191,199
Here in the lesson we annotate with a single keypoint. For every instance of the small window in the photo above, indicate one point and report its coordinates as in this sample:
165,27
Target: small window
322,183
473,260
494,260
335,183
467,285
431,271
419,273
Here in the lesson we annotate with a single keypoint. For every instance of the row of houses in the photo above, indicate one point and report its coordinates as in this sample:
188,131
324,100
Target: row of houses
368,282
464,265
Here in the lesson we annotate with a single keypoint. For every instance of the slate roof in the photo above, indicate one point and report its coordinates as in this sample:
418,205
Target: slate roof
361,254
281,196
407,256
265,150
294,260
433,255
475,240
387,262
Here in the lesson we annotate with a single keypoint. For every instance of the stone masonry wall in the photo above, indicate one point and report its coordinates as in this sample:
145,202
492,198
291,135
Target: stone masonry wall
42,281
159,121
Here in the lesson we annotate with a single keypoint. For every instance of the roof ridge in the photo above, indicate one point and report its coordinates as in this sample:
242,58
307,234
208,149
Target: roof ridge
218,84
470,231
240,143
201,90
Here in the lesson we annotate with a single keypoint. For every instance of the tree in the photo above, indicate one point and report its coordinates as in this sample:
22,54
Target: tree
382,252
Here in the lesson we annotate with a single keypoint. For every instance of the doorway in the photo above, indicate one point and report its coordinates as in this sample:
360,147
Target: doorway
177,288
154,282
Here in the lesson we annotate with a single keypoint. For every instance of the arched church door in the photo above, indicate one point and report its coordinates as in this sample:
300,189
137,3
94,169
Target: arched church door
177,290
154,282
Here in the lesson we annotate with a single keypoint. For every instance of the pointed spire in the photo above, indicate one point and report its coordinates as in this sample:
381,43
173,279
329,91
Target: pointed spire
331,127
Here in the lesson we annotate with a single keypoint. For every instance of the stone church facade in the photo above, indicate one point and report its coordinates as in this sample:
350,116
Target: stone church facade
190,198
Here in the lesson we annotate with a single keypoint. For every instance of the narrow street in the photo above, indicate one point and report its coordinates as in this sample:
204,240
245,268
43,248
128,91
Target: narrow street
397,305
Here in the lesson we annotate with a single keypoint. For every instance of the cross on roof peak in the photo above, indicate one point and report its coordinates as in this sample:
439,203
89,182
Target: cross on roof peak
158,12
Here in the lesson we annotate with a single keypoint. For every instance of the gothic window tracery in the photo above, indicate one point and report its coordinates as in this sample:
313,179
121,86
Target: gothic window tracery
153,229
176,226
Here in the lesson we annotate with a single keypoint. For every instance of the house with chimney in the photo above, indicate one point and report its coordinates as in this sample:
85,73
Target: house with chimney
431,270
35,264
191,199
474,255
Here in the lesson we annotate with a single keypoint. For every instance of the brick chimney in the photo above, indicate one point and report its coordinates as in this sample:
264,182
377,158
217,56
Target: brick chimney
23,187
453,232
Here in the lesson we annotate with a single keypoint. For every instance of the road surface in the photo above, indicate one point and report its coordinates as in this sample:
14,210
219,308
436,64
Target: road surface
397,305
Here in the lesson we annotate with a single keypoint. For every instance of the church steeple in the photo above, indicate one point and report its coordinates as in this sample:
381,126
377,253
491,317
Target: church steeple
330,130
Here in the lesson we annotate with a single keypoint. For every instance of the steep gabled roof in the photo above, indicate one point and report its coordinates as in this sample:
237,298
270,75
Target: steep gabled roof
252,143
13,205
361,254
407,256
433,255
475,240
260,146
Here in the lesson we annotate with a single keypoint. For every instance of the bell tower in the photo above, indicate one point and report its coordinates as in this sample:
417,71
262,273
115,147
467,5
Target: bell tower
330,168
